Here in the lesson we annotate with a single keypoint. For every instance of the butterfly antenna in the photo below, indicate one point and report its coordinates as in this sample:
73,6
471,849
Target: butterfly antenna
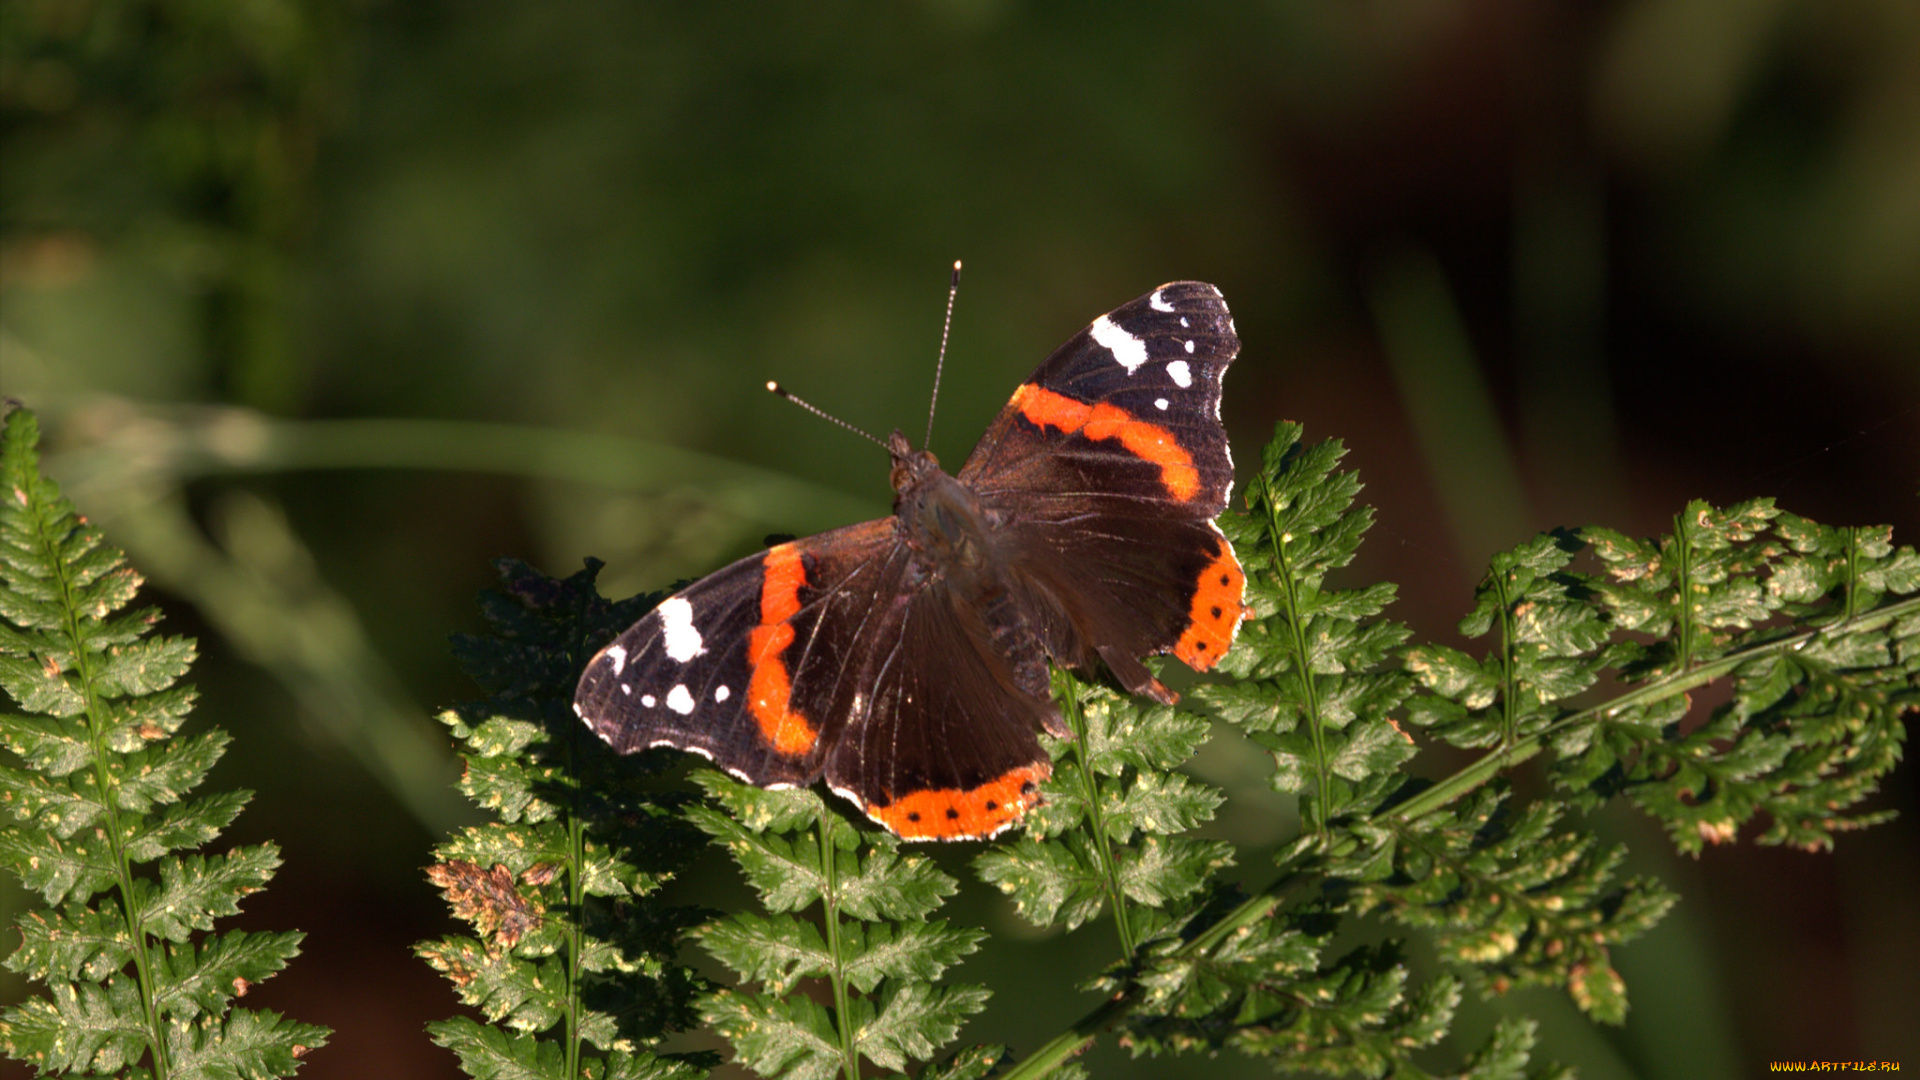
953,290
780,391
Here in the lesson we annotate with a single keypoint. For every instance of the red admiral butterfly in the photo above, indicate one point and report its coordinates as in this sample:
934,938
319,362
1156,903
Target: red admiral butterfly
906,658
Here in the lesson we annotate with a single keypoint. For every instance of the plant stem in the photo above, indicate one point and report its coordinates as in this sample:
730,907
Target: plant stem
1302,667
1509,682
1683,592
1067,688
105,786
830,910
576,872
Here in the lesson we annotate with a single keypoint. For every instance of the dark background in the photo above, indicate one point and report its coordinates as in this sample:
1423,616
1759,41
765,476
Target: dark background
1536,264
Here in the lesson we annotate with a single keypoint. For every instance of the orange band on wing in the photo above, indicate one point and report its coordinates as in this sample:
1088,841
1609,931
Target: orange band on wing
955,814
1149,442
1215,613
769,689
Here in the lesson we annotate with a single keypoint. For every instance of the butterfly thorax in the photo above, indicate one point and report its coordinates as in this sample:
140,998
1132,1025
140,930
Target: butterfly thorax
940,520
956,550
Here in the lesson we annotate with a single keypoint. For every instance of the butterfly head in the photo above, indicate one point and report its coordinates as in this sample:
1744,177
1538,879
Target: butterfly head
911,468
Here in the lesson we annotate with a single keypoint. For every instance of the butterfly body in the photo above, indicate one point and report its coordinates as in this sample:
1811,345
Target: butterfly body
906,659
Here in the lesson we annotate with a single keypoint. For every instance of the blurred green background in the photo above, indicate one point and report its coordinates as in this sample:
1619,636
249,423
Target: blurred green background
328,304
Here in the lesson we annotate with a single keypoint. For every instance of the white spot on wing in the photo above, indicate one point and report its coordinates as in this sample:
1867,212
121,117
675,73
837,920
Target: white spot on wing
679,700
627,689
1158,302
1189,348
721,693
618,657
1129,351
1181,374
676,624
1184,322
1160,403
649,700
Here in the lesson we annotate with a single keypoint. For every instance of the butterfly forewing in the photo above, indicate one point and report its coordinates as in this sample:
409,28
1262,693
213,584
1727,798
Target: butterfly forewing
723,667
1110,465
1126,412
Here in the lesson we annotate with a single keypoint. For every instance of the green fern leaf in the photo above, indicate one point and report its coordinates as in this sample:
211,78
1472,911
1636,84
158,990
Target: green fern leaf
1050,884
88,1028
777,953
1506,1054
195,890
102,791
571,951
1312,689
79,943
972,1063
1510,899
487,1053
873,945
916,1018
1815,718
198,978
242,1043
1107,836
790,1037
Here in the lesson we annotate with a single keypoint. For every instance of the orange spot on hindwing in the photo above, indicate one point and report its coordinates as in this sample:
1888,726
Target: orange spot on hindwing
964,814
770,689
1147,441
1214,615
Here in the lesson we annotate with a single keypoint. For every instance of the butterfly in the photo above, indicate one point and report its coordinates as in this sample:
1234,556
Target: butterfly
906,659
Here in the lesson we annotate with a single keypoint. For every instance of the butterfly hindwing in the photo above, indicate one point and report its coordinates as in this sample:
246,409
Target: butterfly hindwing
945,746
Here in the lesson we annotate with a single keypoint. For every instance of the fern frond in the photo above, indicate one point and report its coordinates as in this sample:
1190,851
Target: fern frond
1108,835
1312,686
1804,621
568,933
874,948
102,791
1509,898
1817,715
1808,624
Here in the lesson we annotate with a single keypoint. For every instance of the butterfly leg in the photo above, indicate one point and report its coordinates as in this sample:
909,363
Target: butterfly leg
1134,675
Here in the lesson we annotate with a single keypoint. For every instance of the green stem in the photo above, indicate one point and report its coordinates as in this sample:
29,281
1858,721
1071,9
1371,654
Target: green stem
830,909
1309,690
1852,589
1066,689
106,789
577,856
1509,682
1683,592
